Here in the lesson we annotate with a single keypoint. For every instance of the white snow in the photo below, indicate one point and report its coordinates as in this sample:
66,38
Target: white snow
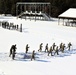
34,33
70,13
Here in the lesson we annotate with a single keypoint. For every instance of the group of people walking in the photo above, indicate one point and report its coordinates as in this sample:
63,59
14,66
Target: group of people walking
54,49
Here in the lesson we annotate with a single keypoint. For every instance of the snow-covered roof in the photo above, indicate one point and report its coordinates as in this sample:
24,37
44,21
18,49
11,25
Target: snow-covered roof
69,14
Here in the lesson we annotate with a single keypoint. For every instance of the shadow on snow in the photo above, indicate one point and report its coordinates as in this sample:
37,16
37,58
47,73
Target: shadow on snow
39,56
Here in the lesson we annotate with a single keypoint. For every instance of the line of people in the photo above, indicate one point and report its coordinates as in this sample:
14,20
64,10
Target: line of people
54,49
9,26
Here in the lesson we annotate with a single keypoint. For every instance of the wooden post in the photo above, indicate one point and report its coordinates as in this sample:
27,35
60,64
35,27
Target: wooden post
35,12
30,12
68,22
16,9
49,10
40,11
21,28
63,22
25,11
21,8
58,21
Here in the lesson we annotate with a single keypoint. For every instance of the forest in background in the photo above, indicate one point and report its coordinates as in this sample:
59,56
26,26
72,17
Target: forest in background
57,6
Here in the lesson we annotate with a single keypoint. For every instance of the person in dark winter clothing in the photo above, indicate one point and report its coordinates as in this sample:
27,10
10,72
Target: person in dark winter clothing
13,51
27,47
33,55
40,47
53,46
13,47
13,54
50,51
46,47
56,51
63,46
69,45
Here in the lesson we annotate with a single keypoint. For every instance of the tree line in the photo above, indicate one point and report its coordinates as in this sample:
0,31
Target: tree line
57,6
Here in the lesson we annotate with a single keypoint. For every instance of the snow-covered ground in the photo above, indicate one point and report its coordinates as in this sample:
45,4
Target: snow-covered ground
34,33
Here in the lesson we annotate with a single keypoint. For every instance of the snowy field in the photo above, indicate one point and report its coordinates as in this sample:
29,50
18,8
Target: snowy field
34,33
